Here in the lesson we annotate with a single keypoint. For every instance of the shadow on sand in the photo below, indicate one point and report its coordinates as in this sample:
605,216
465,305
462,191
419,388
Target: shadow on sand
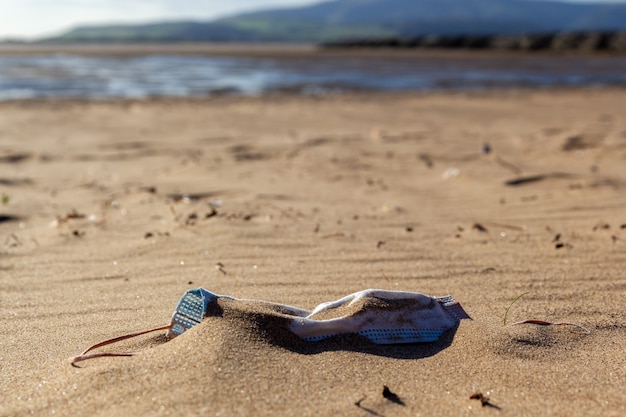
272,328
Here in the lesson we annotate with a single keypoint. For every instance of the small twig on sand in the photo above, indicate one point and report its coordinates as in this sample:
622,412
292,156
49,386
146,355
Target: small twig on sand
506,164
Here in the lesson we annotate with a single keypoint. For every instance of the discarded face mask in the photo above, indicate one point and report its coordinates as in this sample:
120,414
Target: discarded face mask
384,317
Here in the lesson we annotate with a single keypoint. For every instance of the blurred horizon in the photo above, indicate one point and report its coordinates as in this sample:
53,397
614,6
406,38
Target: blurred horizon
19,22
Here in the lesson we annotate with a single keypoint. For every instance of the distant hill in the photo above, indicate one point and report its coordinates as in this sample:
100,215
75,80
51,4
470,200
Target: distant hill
155,32
343,19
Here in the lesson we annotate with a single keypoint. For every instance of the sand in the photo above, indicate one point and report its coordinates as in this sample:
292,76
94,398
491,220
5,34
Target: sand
112,210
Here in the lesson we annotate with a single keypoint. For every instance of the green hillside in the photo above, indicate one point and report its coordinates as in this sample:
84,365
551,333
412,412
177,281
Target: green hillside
345,19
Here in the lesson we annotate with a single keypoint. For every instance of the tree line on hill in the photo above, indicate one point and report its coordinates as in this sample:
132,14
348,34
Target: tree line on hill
566,41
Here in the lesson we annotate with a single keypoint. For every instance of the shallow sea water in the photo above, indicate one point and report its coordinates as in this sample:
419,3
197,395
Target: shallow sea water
101,77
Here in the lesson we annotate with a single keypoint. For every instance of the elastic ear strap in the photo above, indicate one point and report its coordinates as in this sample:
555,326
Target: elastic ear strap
83,356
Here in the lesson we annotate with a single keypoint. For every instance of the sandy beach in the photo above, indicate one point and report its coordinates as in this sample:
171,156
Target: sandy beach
111,210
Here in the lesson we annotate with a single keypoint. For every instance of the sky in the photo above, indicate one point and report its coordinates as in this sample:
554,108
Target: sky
36,18
29,19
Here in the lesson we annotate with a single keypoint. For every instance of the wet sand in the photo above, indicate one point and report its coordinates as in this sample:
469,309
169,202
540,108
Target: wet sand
272,50
178,48
112,210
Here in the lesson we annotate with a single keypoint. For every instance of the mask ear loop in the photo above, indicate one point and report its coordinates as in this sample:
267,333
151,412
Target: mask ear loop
83,356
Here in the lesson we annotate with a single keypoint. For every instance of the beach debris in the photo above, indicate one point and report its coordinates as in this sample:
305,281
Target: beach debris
148,189
451,173
15,157
191,219
601,226
210,214
516,182
382,316
392,396
426,159
547,323
72,215
9,218
507,165
220,267
479,227
380,244
149,235
576,142
525,180
506,313
484,400
538,322
5,199
16,182
191,197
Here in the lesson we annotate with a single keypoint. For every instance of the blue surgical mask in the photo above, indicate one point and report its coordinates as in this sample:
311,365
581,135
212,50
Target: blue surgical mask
384,317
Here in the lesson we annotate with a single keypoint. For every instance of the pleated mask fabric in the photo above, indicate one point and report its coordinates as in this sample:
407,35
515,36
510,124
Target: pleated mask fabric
382,316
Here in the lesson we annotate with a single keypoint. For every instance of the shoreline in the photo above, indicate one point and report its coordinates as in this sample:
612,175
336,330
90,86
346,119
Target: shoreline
140,49
283,96
276,50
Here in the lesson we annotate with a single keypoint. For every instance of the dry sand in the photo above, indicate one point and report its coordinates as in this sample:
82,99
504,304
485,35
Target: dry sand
108,221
